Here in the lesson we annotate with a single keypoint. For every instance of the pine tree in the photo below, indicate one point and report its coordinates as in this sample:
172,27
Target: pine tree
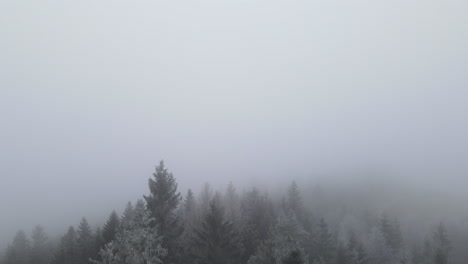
294,200
265,254
342,256
128,215
40,249
19,251
189,203
216,240
288,236
258,220
232,204
355,251
442,245
139,211
138,244
323,245
97,243
378,249
70,247
294,257
111,227
204,198
85,241
162,203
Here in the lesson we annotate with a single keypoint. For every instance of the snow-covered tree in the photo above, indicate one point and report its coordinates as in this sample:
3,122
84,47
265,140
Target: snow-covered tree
139,244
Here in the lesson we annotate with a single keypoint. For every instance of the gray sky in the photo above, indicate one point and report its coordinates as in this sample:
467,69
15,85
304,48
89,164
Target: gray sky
94,93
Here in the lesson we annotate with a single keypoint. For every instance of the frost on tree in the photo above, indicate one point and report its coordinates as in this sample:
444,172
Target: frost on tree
137,243
286,244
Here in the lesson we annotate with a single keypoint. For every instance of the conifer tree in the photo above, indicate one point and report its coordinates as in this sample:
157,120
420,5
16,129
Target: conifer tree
161,204
232,204
323,243
294,257
392,233
442,245
138,244
85,241
40,249
68,252
19,251
189,202
355,250
111,227
264,254
258,220
216,240
128,215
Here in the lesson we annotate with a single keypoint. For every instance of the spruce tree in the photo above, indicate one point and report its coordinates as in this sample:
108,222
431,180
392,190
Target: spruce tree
111,227
128,215
161,204
71,254
19,251
442,245
355,250
85,241
216,241
323,243
294,257
258,220
40,249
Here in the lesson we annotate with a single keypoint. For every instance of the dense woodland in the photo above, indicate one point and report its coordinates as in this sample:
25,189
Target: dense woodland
229,227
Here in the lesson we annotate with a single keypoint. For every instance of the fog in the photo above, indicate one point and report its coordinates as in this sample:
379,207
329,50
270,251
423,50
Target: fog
94,93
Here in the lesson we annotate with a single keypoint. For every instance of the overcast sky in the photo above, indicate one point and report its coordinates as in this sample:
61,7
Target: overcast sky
94,93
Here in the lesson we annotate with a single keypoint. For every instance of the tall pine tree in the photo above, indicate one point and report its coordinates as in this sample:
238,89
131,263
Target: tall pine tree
216,240
161,204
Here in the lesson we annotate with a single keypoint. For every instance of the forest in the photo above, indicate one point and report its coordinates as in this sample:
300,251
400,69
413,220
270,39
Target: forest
231,227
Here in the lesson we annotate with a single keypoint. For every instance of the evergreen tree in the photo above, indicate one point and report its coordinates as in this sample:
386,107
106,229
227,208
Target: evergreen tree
442,245
85,241
138,244
19,251
392,233
294,200
377,248
216,240
68,252
323,245
232,204
355,251
342,256
162,203
40,249
128,215
97,243
294,204
288,236
265,254
111,227
258,221
189,203
294,257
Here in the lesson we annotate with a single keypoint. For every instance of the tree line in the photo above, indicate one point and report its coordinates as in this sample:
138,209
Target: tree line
228,228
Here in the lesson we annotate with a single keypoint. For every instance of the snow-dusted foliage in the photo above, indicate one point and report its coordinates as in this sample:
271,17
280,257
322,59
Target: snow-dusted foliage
288,238
137,243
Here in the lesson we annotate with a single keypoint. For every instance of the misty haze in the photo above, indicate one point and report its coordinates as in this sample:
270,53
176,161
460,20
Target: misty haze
234,132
